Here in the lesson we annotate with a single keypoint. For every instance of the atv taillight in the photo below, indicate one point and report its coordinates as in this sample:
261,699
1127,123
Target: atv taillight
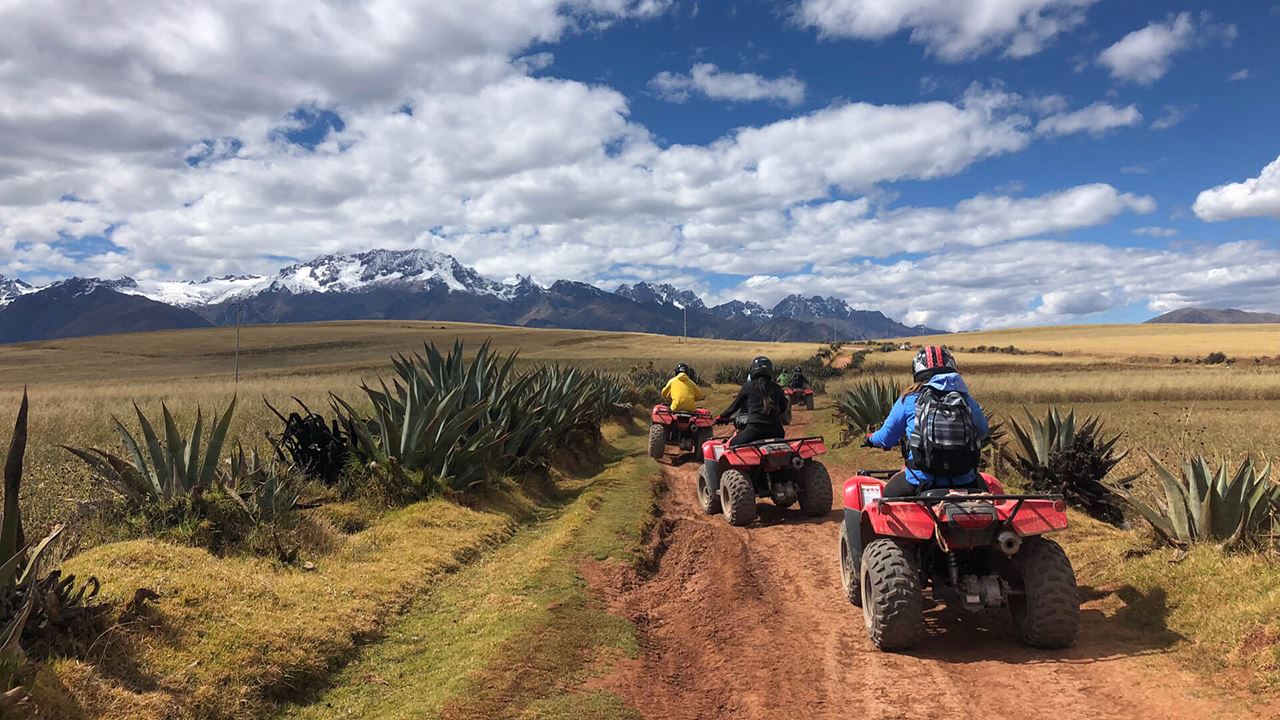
971,521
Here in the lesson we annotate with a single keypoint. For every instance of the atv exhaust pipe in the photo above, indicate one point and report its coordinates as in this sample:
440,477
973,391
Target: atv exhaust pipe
1009,542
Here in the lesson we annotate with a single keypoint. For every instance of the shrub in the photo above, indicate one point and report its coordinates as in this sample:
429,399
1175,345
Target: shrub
1215,358
730,375
643,383
1200,505
165,473
317,447
37,612
1059,456
459,422
863,407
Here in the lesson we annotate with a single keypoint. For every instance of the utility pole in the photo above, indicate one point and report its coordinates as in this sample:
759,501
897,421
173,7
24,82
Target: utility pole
239,312
686,324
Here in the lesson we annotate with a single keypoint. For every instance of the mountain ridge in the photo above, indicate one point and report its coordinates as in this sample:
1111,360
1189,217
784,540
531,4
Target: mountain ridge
1215,316
421,285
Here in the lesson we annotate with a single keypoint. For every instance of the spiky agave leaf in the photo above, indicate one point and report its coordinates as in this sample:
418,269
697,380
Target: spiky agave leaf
11,524
864,407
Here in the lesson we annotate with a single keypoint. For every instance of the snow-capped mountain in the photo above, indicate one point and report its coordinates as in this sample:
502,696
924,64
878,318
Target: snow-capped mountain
664,294
413,285
11,288
799,306
743,309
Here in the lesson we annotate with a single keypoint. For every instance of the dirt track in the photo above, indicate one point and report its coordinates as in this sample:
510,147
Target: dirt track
751,623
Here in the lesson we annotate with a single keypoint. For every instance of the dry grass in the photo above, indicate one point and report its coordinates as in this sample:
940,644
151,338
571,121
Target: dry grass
1125,341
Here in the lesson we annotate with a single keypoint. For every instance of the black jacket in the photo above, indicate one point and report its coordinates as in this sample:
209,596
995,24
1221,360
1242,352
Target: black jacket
750,400
798,381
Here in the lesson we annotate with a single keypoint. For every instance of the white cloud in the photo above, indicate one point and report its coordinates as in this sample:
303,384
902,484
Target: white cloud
1241,74
1255,197
842,231
953,30
710,81
1095,119
1153,231
1043,281
1145,55
1173,115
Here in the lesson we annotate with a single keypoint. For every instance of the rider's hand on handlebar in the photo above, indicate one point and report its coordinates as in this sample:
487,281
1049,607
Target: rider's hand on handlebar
866,441
722,420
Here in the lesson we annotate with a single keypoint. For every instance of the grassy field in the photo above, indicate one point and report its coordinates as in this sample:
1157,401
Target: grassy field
297,628
1119,342
77,385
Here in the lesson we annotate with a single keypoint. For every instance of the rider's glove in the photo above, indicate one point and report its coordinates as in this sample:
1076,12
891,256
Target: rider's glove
722,420
866,442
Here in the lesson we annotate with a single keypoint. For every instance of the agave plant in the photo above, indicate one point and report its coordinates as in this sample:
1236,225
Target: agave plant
178,468
262,490
316,447
1201,505
27,599
862,408
461,420
1058,454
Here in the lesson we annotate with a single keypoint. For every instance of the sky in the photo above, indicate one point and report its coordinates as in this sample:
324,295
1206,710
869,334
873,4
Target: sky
960,163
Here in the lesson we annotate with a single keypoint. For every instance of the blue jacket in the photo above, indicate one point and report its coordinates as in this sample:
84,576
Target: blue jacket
902,420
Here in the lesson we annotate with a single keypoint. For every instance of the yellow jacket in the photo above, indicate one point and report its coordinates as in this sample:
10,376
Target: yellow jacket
682,394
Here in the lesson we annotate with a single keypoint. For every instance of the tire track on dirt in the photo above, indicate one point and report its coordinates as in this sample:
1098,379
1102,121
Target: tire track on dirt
752,623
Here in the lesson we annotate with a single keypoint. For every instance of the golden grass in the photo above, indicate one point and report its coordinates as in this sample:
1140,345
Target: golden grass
1124,341
229,634
513,630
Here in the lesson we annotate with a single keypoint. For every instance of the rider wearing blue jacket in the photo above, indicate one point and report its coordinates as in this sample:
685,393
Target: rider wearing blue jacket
936,368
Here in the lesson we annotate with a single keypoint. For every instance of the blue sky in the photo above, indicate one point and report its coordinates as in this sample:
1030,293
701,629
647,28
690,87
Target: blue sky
965,163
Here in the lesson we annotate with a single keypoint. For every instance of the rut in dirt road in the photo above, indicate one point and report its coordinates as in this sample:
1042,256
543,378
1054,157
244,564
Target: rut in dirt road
752,623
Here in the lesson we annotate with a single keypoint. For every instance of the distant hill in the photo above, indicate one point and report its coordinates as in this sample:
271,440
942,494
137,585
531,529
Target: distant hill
1212,316
79,307
416,285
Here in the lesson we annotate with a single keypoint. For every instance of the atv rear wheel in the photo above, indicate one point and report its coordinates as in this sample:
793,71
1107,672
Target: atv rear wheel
1046,613
808,402
657,441
710,501
813,485
849,575
892,599
737,497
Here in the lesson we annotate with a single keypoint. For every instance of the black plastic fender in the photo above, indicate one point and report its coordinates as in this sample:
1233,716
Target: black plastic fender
853,535
713,476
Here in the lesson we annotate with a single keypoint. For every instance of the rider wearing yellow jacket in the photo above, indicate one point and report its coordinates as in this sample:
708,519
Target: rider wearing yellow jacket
681,392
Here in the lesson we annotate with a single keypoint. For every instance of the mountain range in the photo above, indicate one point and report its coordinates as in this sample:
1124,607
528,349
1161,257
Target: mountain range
415,285
1206,316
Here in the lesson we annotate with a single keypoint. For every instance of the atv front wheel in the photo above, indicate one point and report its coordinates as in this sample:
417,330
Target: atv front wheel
814,486
892,600
710,501
849,576
1046,613
737,498
657,441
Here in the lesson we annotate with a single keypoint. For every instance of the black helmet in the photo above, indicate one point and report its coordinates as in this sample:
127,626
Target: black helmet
932,360
682,368
799,369
761,367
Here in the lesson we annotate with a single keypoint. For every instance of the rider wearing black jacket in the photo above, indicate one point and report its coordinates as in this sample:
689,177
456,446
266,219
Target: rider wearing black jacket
798,381
762,401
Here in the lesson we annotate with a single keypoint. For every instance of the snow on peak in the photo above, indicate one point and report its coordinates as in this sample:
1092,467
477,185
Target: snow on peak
742,309
11,288
798,306
344,273
664,294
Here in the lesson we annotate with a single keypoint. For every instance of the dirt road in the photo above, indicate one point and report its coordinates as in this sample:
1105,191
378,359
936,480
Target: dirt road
751,623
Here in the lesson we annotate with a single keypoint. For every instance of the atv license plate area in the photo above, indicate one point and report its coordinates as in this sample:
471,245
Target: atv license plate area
775,448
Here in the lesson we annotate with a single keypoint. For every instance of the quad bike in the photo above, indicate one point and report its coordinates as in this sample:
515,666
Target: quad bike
686,430
783,470
801,396
975,549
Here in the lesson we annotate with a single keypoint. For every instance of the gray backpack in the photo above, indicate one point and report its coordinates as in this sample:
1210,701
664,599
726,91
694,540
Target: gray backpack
944,441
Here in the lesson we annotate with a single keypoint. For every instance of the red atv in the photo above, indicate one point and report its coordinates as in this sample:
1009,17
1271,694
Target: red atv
783,470
687,430
975,549
799,396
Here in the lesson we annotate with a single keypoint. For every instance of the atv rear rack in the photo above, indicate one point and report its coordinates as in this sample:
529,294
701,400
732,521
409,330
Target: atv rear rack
927,502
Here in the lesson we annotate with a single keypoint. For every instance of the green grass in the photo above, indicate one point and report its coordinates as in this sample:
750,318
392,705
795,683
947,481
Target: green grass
509,636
